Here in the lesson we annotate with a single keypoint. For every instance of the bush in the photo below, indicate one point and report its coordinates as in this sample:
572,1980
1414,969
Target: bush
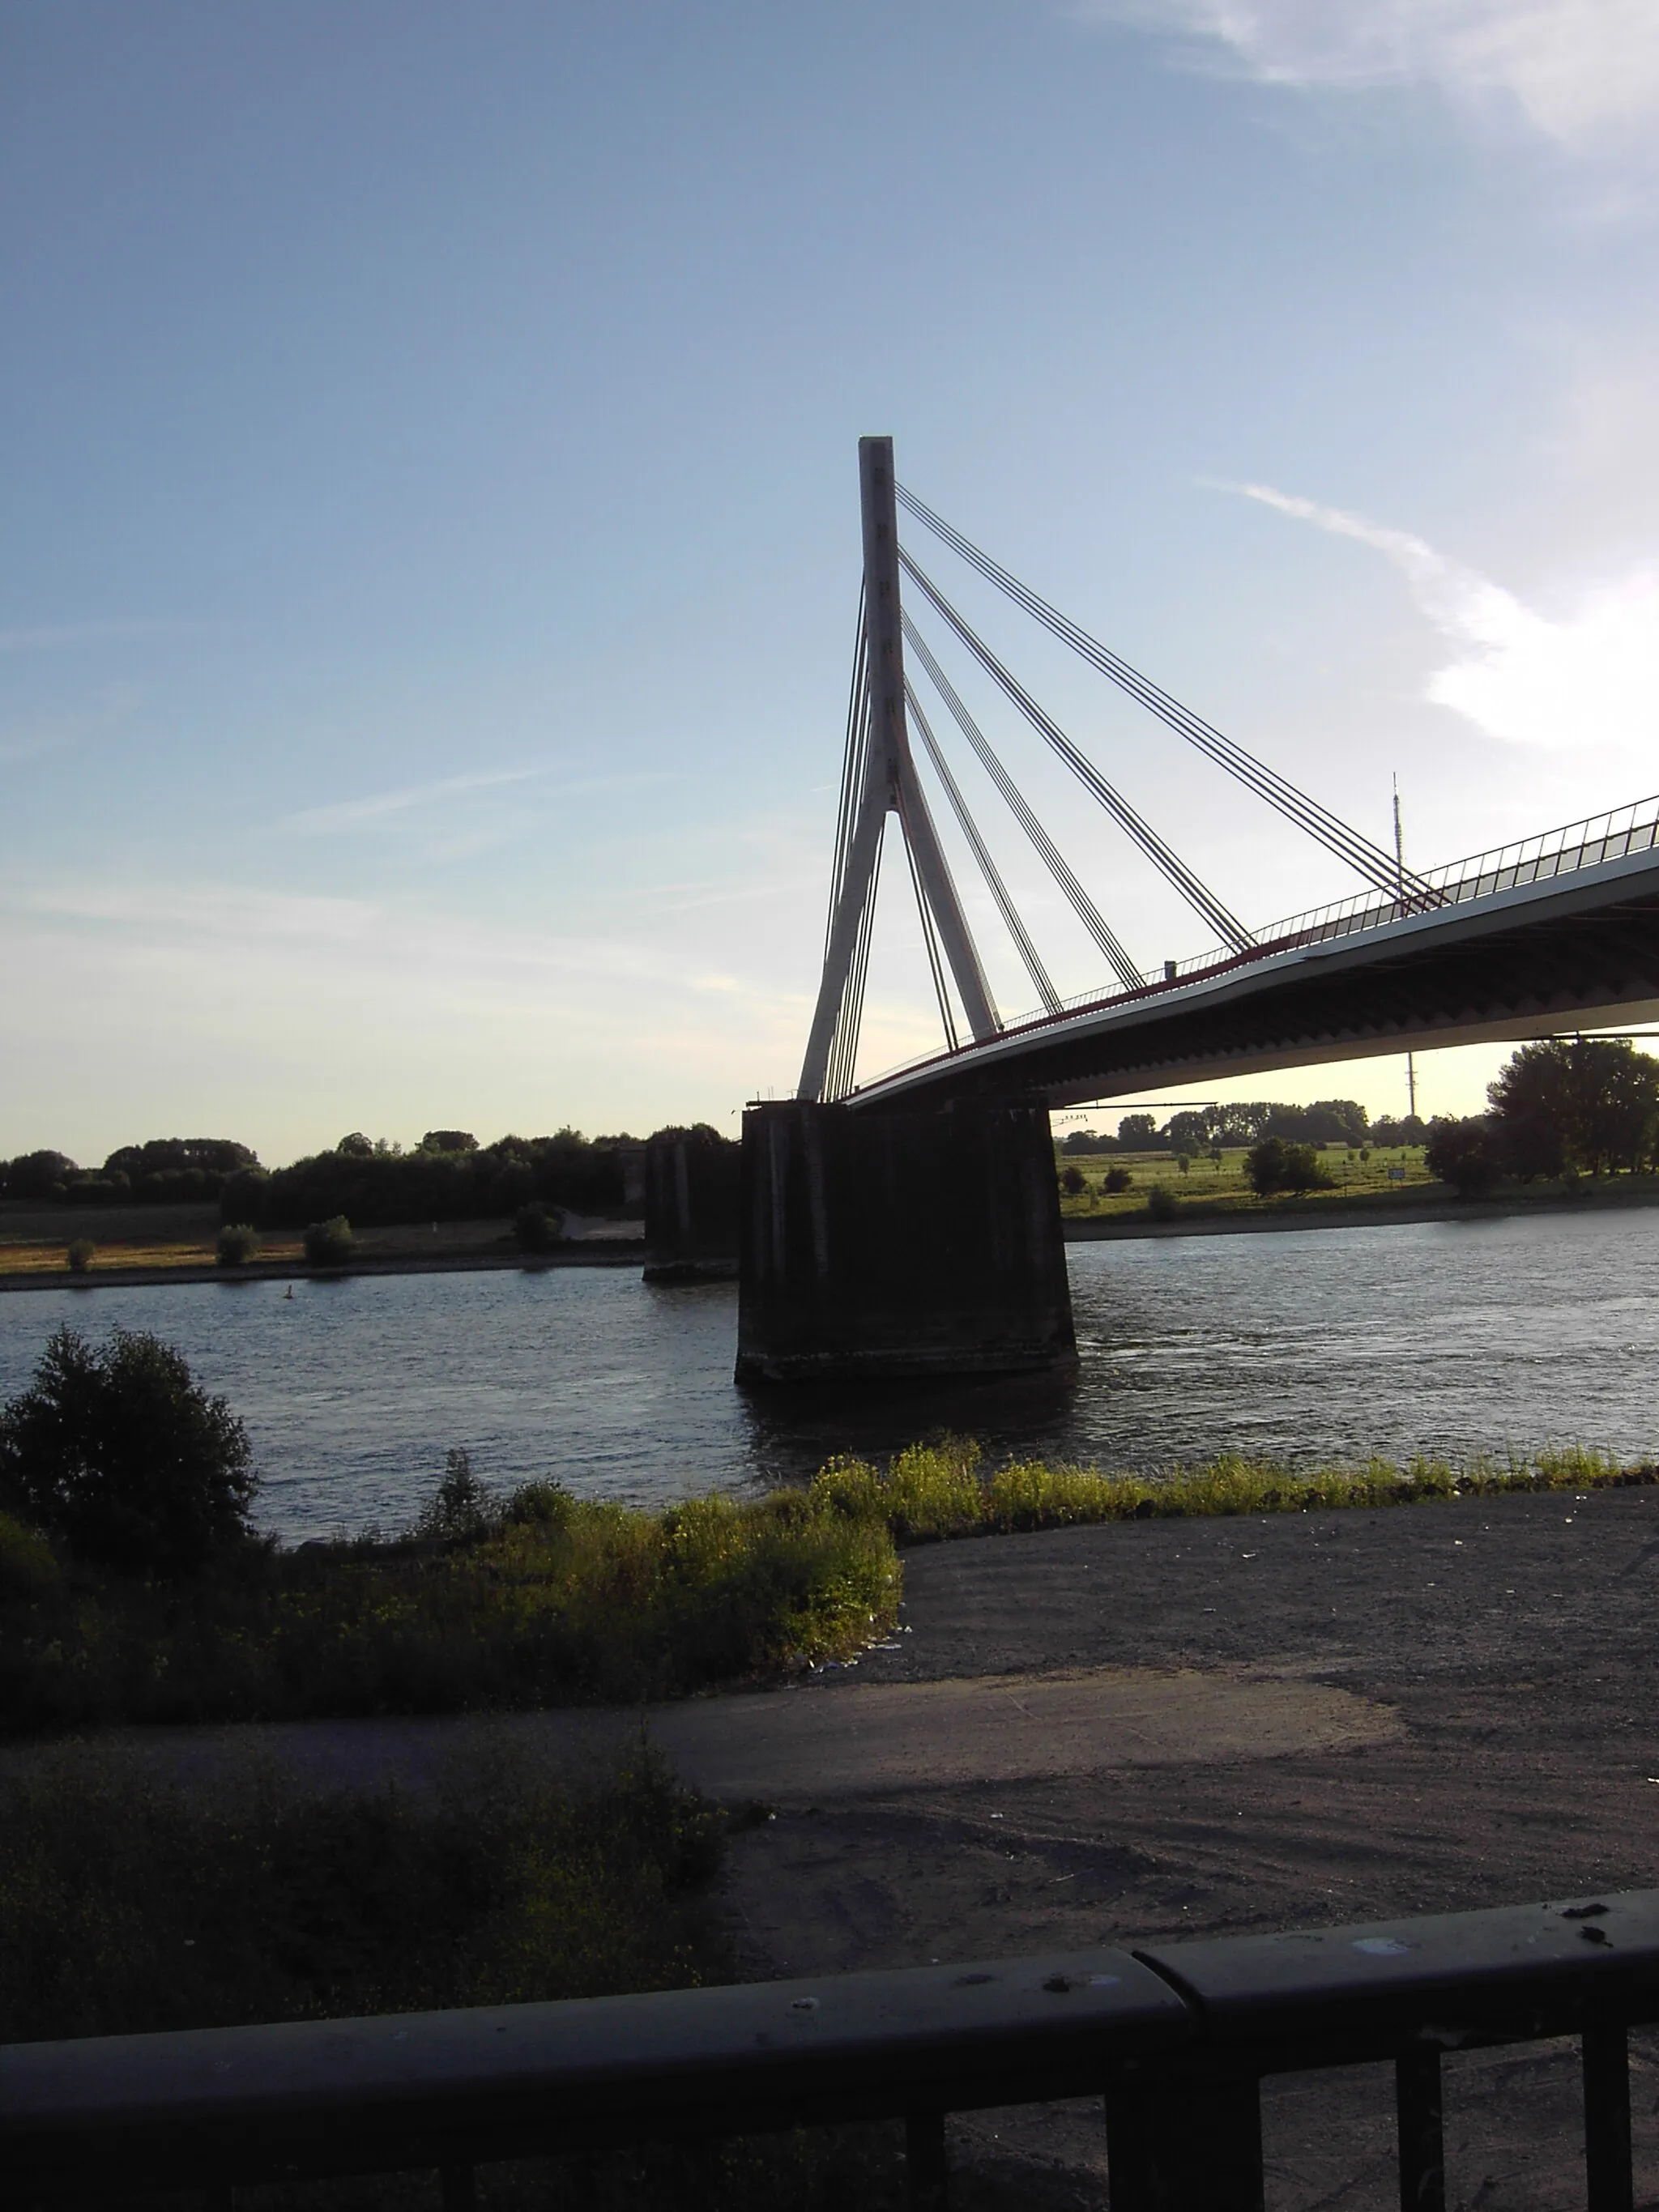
459,1510
538,1227
1273,1165
238,1243
80,1255
329,1244
1074,1181
1162,1205
1117,1179
1463,1154
117,1451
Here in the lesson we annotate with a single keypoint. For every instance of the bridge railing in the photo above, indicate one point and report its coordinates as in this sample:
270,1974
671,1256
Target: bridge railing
1588,844
1175,2038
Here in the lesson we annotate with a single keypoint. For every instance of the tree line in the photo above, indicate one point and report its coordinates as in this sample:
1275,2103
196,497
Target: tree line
166,1171
1202,1128
449,1176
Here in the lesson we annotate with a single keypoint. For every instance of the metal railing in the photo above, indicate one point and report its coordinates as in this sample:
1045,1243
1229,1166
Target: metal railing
1175,2038
1588,844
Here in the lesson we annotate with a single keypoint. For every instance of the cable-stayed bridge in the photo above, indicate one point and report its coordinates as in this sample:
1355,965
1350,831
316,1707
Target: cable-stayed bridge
1558,930
861,1254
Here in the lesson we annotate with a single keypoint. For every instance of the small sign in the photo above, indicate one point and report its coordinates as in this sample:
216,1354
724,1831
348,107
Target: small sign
1396,1175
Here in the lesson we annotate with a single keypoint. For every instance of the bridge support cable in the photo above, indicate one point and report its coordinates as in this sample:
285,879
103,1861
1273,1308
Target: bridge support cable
852,767
887,784
843,1057
1371,861
1197,894
1082,905
930,940
998,891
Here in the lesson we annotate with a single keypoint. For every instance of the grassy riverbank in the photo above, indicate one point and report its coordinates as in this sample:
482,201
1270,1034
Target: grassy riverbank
548,1600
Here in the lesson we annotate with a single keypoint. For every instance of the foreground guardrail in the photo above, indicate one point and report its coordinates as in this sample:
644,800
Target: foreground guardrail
1177,2038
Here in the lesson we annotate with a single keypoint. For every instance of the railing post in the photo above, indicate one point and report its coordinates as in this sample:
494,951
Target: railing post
1191,2147
1609,2187
1422,2131
926,2171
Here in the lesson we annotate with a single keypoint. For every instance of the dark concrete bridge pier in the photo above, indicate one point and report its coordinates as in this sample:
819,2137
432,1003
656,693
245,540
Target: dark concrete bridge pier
900,1245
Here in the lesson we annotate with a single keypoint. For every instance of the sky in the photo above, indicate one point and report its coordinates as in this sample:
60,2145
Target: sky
429,519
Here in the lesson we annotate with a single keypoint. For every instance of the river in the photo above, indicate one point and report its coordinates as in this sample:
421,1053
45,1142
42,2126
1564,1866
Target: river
1459,1337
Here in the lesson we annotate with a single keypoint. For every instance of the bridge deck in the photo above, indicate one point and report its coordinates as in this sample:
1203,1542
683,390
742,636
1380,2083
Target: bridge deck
1561,932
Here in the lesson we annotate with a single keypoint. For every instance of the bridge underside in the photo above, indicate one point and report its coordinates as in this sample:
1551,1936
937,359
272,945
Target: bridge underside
1587,956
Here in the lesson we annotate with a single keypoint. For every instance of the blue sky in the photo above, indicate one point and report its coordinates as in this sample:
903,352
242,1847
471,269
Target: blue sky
429,480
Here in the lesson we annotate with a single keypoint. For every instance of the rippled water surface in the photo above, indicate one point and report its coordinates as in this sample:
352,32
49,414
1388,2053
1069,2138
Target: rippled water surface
1460,1337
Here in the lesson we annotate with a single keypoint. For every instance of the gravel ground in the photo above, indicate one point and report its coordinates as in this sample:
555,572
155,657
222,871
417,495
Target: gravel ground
1511,1639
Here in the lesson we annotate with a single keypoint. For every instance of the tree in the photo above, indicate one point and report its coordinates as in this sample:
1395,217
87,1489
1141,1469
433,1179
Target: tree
1463,1154
1116,1179
80,1255
116,1450
1590,1103
1138,1132
1264,1164
1074,1181
35,1174
449,1140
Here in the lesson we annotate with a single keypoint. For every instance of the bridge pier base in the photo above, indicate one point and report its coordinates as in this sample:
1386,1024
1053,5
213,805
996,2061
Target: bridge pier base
893,1245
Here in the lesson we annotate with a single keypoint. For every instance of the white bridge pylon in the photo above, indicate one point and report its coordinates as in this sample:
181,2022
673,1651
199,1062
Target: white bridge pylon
880,779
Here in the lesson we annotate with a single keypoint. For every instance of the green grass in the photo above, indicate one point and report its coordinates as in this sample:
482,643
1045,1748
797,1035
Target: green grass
127,1907
941,1490
1224,1187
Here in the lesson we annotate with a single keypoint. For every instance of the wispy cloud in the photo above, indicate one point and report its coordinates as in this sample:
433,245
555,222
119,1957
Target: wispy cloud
1590,676
379,806
1578,72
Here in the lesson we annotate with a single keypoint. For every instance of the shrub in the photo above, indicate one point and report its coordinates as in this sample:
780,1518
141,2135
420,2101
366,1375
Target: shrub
459,1510
28,1568
1074,1181
1304,1169
1463,1154
538,1227
1273,1165
1117,1179
1162,1205
80,1255
116,1449
329,1244
238,1243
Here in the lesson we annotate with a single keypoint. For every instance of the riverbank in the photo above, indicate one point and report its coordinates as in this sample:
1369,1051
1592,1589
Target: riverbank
1100,1735
135,1246
1381,1210
596,1252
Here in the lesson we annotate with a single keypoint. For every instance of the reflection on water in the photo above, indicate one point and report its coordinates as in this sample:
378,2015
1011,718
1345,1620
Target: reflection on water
1451,1336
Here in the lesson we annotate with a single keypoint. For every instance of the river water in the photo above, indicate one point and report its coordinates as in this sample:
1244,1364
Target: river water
1457,1337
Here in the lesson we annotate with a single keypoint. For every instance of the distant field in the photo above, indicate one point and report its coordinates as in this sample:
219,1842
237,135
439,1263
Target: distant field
34,1239
1225,1185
